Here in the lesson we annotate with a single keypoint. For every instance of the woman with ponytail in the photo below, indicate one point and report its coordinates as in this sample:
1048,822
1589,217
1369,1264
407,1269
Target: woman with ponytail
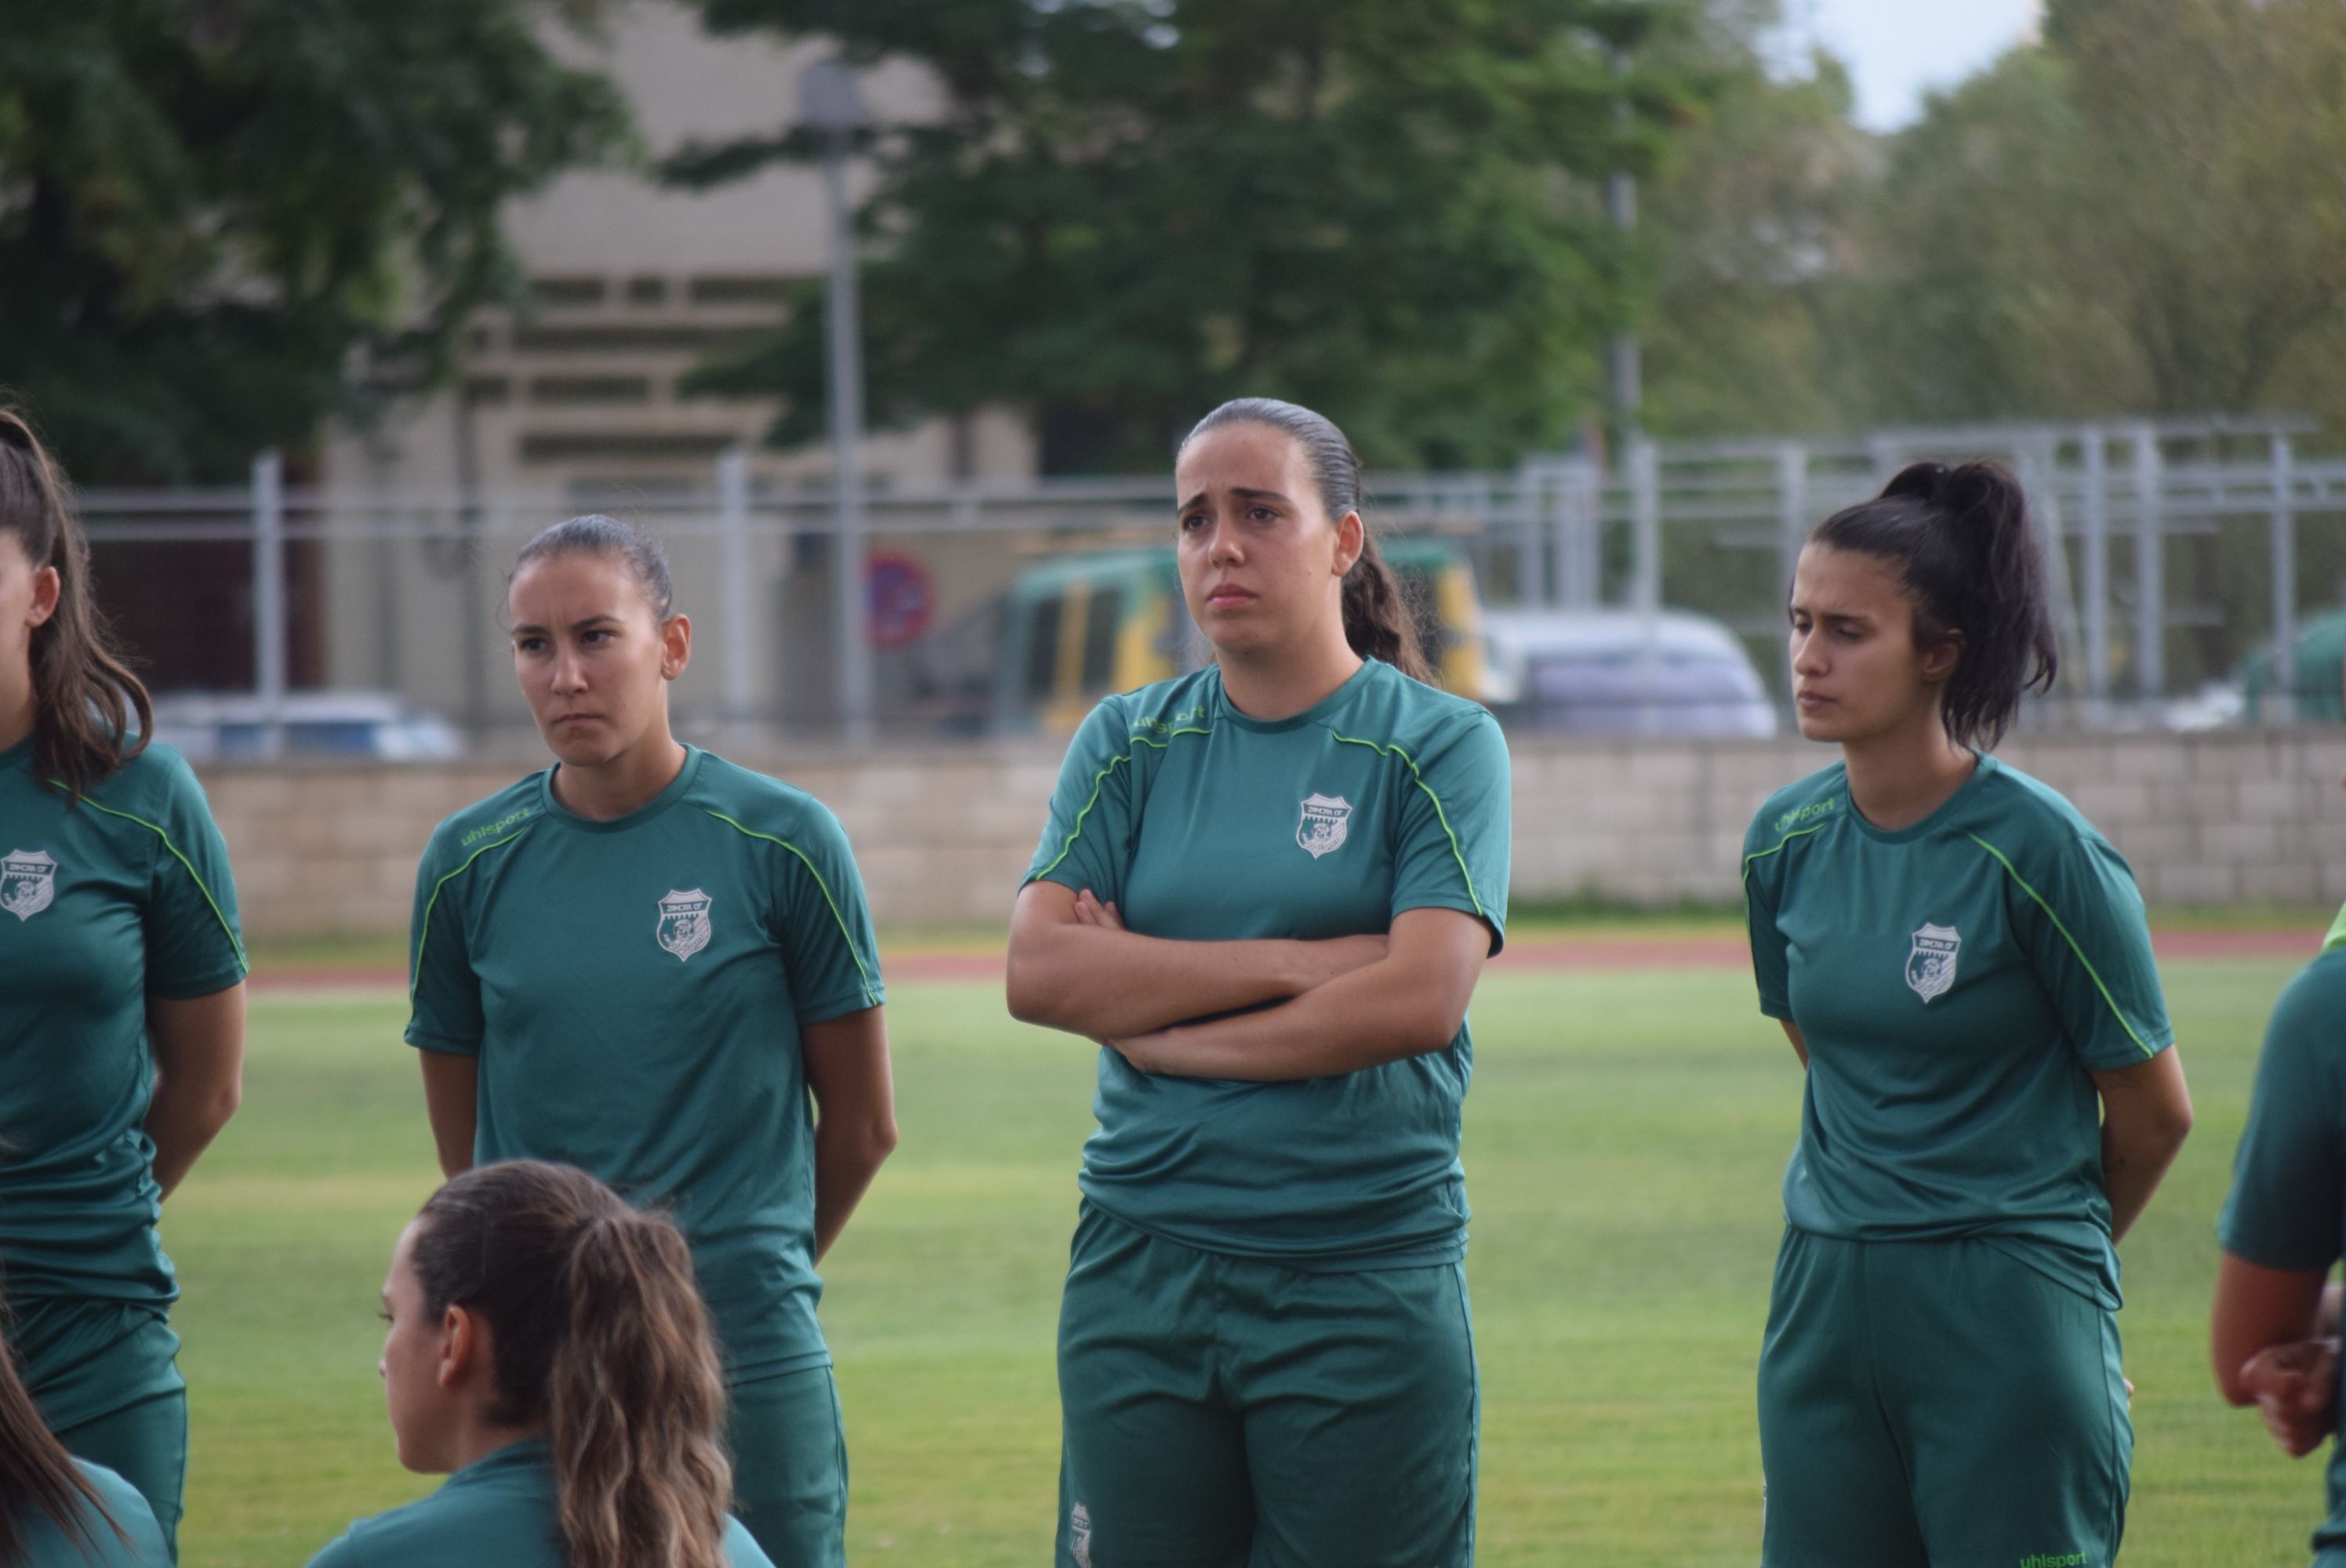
1268,889
1962,965
546,1347
121,1000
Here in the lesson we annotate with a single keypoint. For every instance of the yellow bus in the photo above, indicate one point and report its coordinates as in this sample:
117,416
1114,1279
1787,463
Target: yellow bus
1080,626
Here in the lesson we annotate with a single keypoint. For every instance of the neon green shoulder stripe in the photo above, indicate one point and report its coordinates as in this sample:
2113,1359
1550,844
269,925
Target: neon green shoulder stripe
235,942
1763,854
424,926
1439,814
871,998
2095,975
1099,782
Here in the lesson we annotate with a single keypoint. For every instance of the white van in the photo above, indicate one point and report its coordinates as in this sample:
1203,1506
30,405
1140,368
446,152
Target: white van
1615,672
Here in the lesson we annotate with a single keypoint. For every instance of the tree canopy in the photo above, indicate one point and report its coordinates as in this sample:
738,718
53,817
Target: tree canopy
1130,209
208,207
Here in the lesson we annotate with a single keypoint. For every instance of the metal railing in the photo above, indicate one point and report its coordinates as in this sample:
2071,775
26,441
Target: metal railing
399,589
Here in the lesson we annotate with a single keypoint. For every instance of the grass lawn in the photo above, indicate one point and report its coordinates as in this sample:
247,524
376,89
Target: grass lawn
1625,1138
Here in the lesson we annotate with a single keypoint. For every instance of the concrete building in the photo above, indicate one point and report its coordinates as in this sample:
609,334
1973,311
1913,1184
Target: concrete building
572,405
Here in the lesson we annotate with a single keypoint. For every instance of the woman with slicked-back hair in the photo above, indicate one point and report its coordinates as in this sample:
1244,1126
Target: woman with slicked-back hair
1268,889
546,1346
1962,965
646,961
121,1000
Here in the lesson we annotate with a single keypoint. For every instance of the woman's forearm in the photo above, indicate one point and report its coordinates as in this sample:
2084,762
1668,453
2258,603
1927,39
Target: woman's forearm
2145,1117
1408,1003
198,1046
1107,984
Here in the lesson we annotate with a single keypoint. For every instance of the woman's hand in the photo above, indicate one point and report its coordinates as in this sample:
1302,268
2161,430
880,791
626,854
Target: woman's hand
2295,1386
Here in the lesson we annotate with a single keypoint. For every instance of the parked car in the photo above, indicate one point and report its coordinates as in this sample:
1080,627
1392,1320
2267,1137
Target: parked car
208,729
1075,628
1606,672
2316,664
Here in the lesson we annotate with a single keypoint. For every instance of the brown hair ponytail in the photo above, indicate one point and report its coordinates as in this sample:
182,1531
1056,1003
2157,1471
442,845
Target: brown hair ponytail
84,695
597,1331
1377,619
36,1474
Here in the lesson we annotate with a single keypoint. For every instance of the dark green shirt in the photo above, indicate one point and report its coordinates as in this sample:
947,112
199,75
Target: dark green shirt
1202,824
635,989
97,1542
1956,981
2288,1205
104,903
499,1511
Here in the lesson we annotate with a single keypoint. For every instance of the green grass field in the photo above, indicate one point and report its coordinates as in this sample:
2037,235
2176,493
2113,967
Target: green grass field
1625,1138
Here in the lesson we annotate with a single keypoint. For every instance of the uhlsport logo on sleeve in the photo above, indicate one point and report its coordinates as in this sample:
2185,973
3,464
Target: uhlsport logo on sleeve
1321,827
28,882
684,921
1930,963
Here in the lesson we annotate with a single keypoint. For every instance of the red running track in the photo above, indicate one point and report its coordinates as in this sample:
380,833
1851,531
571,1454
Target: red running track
1697,951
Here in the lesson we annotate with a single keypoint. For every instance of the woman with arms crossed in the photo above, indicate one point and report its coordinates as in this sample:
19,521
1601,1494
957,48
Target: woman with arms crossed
547,1351
643,961
1962,965
121,1000
1269,887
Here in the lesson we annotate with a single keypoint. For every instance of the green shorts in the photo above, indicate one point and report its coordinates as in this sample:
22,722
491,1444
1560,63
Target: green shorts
1226,1412
1939,1403
790,1467
106,1376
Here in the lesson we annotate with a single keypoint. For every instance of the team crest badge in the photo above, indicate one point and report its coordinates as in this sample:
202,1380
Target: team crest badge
28,882
1931,964
684,923
1323,824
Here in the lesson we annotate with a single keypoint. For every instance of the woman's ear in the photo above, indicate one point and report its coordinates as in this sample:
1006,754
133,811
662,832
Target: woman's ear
459,1346
675,645
1351,538
46,586
1940,659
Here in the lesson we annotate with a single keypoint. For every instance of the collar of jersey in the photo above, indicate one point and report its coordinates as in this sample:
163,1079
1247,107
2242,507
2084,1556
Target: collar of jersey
1938,819
1226,710
557,811
521,1454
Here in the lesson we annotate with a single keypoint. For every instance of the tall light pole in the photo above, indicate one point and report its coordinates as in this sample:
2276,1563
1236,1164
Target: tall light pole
831,102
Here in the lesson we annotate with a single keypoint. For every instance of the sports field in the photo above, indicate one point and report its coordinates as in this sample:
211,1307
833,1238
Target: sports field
1625,1136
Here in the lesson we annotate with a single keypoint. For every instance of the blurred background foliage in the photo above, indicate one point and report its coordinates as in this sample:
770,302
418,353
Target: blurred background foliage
212,210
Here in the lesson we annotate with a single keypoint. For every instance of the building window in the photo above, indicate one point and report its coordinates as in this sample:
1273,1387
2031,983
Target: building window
563,389
571,446
567,292
762,289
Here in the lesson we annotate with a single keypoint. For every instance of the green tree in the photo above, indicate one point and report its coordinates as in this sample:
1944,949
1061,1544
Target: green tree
208,207
1129,210
2145,213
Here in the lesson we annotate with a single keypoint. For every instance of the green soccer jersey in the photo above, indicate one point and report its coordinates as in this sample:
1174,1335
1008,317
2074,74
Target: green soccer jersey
2288,1205
126,1537
499,1511
635,989
1955,981
104,903
1202,824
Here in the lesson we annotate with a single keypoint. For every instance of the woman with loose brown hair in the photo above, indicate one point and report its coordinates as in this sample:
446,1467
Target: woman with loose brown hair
59,1512
547,1345
121,999
1267,888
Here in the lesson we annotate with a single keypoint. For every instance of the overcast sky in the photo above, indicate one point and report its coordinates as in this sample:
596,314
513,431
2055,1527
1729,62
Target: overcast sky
1899,49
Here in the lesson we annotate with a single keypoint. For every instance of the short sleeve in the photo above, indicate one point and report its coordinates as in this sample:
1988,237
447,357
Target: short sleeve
828,949
1771,954
1087,843
2088,939
2289,1178
741,1548
192,946
1453,828
444,992
341,1551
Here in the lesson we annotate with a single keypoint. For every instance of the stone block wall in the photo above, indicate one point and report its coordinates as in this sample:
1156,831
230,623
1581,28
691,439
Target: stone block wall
943,833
